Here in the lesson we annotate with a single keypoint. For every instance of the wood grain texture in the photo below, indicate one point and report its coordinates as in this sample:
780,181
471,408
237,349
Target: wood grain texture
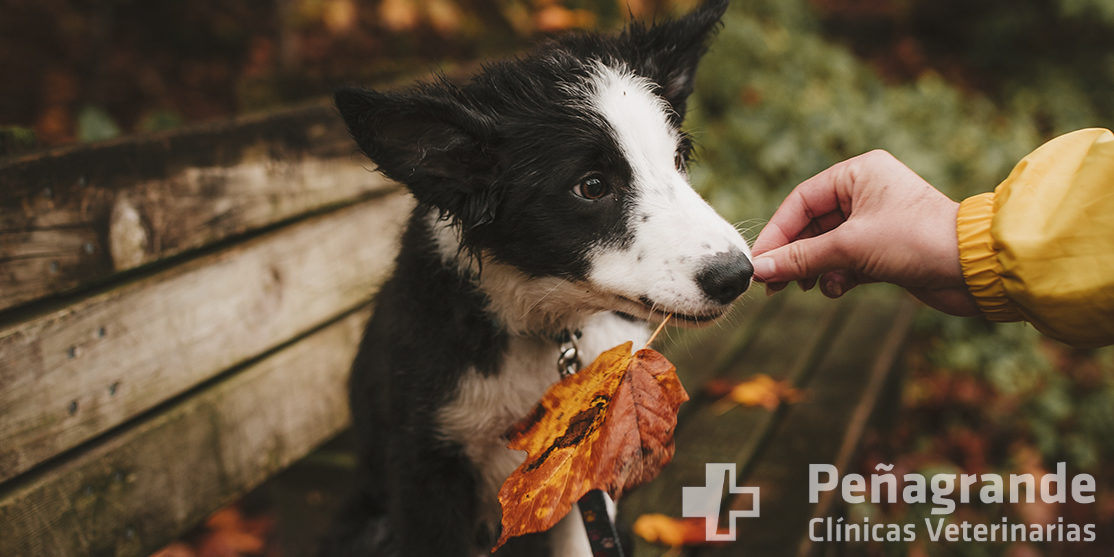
823,428
133,491
73,373
78,215
839,353
786,340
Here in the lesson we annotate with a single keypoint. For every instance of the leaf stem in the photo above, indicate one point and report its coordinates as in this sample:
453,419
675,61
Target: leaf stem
656,331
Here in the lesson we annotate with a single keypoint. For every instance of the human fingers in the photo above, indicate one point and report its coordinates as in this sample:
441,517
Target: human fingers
811,199
802,259
807,284
822,224
835,283
775,287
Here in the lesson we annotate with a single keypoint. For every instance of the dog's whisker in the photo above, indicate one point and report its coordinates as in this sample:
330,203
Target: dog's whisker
560,283
745,226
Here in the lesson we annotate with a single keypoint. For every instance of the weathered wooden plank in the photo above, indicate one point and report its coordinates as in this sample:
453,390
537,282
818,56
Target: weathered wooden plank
823,428
133,491
77,215
73,373
789,341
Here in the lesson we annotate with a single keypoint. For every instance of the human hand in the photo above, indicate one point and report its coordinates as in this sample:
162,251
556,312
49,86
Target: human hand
866,219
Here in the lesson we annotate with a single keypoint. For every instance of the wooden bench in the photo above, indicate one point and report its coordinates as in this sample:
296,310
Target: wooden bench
178,313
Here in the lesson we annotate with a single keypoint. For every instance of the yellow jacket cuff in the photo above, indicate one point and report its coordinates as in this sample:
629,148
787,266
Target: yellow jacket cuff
979,258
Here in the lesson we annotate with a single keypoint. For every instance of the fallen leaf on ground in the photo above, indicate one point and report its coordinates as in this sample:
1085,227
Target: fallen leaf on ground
226,533
559,18
609,426
176,549
760,390
674,532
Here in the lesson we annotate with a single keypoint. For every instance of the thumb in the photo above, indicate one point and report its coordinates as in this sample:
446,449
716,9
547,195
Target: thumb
802,259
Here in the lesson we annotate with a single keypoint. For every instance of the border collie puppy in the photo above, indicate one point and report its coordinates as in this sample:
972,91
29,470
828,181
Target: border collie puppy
553,205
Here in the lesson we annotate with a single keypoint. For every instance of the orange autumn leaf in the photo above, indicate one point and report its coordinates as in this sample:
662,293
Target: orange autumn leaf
674,532
559,18
760,390
399,15
608,427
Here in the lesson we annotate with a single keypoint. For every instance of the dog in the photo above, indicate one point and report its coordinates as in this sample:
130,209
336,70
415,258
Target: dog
553,207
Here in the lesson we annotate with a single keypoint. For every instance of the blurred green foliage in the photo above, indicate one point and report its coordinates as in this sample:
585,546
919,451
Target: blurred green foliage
1102,9
95,124
15,139
776,102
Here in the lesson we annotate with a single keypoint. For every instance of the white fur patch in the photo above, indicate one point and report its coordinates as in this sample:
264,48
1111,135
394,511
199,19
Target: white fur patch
523,304
674,228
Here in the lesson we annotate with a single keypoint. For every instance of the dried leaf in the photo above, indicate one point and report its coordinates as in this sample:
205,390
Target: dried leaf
674,532
760,390
559,18
176,549
608,427
399,15
444,15
340,16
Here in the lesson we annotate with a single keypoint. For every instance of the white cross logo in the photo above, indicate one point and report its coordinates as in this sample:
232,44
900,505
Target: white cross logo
706,501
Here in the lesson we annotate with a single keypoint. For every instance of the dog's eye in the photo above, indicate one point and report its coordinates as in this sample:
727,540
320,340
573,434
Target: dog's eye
679,161
592,187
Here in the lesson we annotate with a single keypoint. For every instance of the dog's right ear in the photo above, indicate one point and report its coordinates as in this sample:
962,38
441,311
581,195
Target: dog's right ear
669,52
430,142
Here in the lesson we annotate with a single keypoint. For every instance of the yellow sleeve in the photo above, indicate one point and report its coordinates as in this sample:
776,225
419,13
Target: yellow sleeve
1040,247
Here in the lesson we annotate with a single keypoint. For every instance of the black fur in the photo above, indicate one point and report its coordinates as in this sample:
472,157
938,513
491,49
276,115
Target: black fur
498,157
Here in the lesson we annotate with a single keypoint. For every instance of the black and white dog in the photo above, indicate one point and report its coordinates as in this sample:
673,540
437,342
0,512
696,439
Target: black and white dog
552,203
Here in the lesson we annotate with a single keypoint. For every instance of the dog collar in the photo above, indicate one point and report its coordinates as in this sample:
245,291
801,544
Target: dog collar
568,359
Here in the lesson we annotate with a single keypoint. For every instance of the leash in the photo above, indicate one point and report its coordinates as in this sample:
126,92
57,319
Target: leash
602,535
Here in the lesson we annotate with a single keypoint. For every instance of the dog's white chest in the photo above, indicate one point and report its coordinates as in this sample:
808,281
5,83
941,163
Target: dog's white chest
484,407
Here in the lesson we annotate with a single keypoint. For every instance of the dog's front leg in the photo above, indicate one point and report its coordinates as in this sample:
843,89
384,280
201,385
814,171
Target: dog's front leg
433,498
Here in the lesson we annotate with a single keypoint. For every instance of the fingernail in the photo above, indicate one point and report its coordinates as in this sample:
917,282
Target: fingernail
764,267
832,288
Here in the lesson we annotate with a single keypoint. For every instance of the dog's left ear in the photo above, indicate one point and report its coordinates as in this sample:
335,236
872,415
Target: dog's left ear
669,52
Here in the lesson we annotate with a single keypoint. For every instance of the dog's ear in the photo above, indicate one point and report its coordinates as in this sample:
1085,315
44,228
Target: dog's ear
430,141
669,52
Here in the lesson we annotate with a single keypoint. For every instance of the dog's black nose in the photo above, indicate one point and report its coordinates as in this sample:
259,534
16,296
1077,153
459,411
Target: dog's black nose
725,275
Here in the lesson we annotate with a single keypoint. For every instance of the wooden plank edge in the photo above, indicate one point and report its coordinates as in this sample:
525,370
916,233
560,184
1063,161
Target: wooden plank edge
764,471
76,372
803,370
55,245
136,488
90,254
809,357
879,375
